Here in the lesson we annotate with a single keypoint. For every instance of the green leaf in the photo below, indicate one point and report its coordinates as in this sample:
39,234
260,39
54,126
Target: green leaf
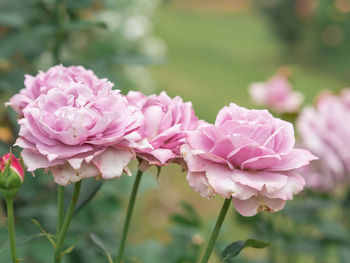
181,220
235,248
68,250
14,42
189,218
98,242
89,189
20,241
82,25
159,168
49,236
11,19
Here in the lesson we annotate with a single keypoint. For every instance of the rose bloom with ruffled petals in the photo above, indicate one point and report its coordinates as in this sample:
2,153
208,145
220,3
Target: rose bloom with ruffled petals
248,155
56,76
77,126
166,121
276,94
325,131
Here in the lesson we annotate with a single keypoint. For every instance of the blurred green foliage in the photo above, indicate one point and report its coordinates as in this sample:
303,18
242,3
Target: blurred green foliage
313,31
208,51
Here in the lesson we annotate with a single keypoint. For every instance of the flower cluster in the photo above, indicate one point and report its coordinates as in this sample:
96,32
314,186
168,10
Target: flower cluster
75,125
325,131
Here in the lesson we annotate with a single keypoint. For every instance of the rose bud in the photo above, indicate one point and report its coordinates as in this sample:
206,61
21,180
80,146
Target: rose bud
11,175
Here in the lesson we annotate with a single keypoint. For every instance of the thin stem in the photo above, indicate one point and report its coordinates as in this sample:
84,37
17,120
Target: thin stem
128,215
60,208
66,223
11,229
215,233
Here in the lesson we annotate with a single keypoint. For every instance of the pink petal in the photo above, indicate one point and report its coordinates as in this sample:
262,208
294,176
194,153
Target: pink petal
198,181
295,159
35,161
247,207
220,178
112,162
247,152
274,204
272,181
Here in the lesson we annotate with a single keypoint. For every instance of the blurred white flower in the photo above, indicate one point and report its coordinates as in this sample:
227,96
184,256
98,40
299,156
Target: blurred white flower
111,18
153,47
141,78
136,27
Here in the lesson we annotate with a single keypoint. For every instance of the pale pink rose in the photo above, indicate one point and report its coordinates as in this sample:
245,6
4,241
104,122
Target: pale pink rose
166,121
78,127
248,155
325,131
56,76
276,94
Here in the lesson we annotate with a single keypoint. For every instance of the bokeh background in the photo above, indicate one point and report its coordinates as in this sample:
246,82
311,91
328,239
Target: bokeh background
208,52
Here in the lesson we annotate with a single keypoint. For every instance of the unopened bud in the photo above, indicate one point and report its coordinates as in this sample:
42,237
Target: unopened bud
11,175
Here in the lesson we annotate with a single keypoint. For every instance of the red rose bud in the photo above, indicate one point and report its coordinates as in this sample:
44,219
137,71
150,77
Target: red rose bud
11,175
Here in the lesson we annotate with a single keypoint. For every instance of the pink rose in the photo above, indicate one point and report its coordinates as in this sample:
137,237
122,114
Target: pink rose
78,127
166,121
54,77
276,94
248,155
325,131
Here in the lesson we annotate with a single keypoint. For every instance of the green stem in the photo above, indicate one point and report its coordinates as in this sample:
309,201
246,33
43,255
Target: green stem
215,233
60,208
128,215
66,223
11,229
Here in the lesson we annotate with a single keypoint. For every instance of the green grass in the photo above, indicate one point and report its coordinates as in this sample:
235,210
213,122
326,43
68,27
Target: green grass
213,57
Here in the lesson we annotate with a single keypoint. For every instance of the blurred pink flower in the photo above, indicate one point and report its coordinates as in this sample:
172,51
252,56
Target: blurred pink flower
57,76
249,155
325,131
166,121
276,94
76,126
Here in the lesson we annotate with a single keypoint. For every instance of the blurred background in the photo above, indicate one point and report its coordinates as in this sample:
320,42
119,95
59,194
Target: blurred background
208,52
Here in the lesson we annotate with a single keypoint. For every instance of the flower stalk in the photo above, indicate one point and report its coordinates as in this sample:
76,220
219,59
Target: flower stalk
128,216
66,223
215,233
60,208
11,230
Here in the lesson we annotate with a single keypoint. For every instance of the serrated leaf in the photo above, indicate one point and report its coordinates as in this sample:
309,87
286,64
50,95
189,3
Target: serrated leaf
235,248
98,242
49,236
